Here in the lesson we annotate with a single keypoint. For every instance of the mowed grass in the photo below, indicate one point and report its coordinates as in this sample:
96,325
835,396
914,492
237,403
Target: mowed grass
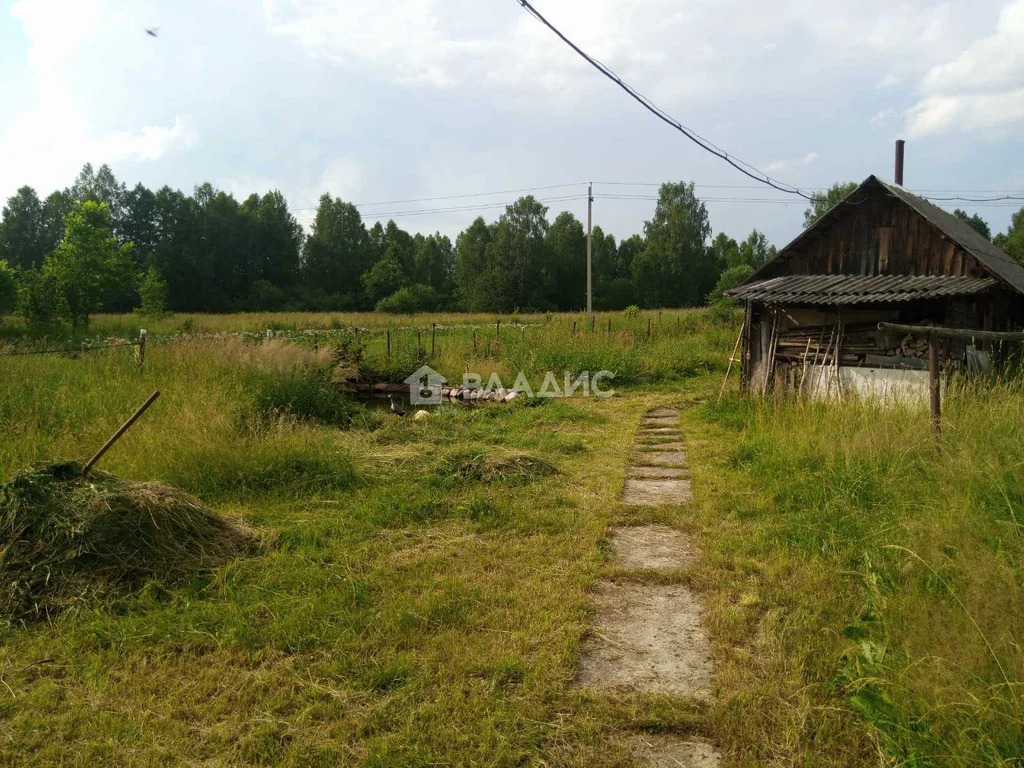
419,597
420,590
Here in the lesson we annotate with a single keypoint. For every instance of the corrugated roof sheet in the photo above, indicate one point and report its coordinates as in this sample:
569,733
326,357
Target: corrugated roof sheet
858,289
963,234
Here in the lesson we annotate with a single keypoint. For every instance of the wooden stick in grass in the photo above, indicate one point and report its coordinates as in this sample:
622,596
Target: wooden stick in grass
728,368
121,430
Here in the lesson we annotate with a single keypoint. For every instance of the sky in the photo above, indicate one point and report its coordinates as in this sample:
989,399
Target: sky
387,102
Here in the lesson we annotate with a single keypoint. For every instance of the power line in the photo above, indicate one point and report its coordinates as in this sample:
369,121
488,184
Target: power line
703,143
457,197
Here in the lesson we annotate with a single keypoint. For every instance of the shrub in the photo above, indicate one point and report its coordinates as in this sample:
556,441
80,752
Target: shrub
409,300
303,393
728,280
152,293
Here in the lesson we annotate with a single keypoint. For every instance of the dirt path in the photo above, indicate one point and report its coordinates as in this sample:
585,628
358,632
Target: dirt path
650,637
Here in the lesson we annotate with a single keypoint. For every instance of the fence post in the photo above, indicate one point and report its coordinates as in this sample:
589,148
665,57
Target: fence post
316,342
389,344
142,347
433,332
574,326
499,329
609,325
419,346
648,327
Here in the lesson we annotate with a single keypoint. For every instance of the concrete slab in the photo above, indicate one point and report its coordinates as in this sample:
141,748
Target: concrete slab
656,547
664,750
647,638
654,492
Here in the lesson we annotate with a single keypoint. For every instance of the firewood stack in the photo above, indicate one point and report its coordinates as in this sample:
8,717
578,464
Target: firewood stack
913,346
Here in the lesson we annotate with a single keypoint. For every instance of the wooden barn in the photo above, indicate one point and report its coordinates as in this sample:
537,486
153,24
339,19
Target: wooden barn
882,255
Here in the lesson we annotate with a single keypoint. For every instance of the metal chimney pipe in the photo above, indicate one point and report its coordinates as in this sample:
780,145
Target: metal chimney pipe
899,162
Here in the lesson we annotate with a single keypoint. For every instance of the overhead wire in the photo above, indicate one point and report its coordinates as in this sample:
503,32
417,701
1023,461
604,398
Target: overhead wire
705,144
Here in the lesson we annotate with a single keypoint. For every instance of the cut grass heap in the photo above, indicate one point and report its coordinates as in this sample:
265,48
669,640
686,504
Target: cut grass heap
64,538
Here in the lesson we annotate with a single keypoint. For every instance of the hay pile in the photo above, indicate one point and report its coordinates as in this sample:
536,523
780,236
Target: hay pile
64,539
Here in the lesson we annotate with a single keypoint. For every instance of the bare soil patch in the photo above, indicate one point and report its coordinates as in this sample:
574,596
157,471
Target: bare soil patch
647,638
668,751
655,547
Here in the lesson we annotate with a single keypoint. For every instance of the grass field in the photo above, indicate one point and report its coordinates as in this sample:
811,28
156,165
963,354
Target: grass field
420,591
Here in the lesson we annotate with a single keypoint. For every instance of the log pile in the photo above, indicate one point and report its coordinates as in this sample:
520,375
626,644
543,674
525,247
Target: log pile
466,394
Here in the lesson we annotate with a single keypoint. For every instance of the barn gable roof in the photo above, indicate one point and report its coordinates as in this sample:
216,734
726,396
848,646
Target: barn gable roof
992,259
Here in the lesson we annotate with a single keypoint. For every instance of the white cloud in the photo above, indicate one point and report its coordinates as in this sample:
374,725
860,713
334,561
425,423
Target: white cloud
881,118
49,140
809,158
888,81
979,90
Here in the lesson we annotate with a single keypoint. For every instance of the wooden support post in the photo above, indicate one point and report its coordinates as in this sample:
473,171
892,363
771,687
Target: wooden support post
934,396
117,435
609,325
498,330
419,345
433,333
316,342
142,347
474,341
648,327
574,327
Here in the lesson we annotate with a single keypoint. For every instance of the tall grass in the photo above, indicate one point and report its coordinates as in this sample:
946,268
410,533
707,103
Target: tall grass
922,623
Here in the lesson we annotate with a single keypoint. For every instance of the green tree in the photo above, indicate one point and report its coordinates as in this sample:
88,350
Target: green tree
471,265
725,251
21,230
153,293
626,254
336,253
976,222
566,278
822,202
754,251
518,256
384,278
87,266
676,267
433,257
8,289
56,207
1012,241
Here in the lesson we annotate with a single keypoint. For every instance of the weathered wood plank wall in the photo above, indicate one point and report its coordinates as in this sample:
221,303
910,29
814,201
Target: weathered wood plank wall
879,236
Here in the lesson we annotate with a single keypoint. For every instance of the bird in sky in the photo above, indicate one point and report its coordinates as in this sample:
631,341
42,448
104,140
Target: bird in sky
152,31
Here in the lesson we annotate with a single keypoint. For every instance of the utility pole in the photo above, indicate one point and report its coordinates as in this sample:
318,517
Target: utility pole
590,293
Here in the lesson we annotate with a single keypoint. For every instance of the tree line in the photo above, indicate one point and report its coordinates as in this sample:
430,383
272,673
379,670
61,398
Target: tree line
99,246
